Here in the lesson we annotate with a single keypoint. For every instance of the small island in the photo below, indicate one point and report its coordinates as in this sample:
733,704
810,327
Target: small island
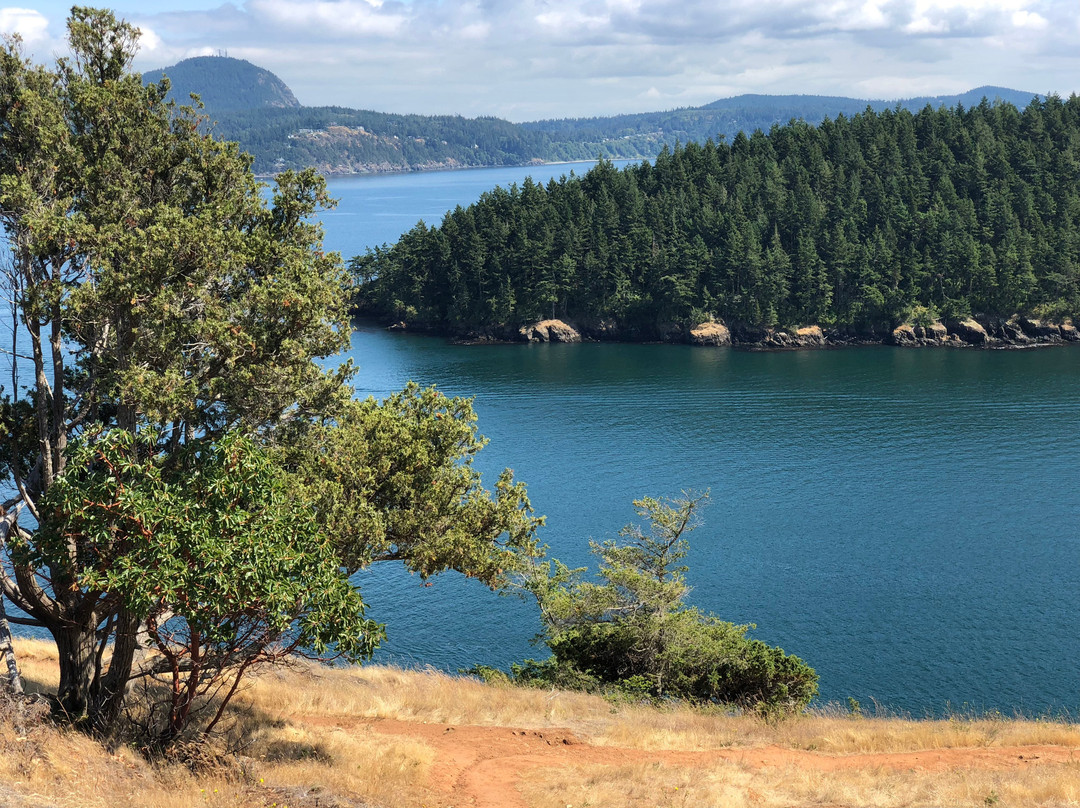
941,227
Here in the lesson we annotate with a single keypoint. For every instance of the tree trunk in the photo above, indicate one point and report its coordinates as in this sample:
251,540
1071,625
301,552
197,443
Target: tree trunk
126,650
14,680
77,647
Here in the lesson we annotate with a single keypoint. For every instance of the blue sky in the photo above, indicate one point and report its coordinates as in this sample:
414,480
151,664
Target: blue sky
528,59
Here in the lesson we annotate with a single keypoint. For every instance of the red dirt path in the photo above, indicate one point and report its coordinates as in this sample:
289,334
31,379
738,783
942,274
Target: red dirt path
481,766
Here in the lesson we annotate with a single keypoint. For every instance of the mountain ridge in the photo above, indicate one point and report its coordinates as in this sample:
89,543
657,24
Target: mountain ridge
253,106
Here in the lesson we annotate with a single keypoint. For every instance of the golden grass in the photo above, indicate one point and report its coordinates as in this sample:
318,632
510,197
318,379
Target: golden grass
730,785
647,728
380,692
310,736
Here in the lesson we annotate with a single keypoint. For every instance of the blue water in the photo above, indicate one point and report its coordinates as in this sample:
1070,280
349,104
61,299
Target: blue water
904,520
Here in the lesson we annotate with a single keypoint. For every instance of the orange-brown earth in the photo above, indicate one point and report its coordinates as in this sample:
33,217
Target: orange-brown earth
482,766
376,737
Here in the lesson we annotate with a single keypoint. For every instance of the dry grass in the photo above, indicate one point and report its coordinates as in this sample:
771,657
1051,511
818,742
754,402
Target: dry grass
378,692
646,728
730,785
310,737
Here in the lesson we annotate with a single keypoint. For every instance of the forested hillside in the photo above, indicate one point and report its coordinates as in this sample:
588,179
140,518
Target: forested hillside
859,223
254,107
340,140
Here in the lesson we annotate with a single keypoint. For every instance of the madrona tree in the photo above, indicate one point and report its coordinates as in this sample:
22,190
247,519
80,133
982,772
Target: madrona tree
184,476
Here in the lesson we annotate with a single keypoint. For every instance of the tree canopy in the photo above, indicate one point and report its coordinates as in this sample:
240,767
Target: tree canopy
190,488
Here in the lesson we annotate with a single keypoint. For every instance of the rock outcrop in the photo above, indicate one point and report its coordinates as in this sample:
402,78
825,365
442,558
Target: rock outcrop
810,336
710,334
549,331
1012,332
936,332
987,332
969,331
1040,329
904,334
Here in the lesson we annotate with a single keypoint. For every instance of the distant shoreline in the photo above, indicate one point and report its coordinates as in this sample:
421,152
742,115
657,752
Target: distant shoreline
438,169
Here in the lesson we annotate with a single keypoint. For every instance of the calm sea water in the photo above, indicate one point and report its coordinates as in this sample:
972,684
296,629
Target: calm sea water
904,520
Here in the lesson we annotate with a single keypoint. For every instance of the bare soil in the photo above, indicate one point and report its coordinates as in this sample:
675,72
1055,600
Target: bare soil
482,766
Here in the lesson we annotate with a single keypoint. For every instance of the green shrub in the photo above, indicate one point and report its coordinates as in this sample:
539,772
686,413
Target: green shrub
924,316
631,633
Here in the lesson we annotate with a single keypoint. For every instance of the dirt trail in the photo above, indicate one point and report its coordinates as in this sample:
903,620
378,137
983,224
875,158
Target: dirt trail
481,766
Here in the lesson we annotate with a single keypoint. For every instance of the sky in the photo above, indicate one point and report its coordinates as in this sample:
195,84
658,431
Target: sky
534,59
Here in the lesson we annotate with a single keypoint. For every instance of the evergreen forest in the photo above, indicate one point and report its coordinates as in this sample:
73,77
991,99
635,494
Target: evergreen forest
857,224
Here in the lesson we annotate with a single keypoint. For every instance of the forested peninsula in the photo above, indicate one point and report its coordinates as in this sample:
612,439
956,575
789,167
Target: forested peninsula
942,226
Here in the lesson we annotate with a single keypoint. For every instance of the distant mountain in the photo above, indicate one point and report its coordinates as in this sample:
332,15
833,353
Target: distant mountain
831,102
254,107
225,84
973,98
746,113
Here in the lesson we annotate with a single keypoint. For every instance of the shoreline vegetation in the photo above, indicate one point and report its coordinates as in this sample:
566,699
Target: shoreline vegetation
375,736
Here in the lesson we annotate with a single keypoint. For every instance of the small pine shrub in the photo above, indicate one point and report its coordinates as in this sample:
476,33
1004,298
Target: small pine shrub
632,635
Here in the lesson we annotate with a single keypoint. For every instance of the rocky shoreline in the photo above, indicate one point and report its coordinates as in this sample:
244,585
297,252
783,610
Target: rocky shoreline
970,332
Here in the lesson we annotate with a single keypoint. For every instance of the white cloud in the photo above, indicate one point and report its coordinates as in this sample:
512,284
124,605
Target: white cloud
1029,19
31,25
477,30
149,41
332,19
925,25
551,58
564,19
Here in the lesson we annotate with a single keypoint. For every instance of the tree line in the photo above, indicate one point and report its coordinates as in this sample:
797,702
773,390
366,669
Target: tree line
858,224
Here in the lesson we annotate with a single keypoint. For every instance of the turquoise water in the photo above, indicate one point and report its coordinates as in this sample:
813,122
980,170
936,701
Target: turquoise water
904,520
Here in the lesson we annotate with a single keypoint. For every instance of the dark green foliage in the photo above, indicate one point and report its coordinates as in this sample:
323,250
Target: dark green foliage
631,633
211,550
852,224
706,660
